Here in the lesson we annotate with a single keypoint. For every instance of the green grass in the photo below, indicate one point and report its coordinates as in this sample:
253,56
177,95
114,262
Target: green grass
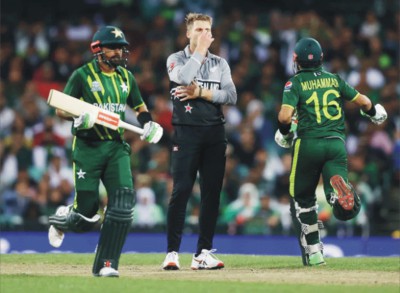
141,273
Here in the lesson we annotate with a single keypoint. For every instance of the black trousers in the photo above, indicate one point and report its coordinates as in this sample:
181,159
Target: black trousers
196,149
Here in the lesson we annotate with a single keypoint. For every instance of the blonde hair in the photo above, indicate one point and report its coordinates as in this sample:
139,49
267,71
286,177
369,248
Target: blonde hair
192,17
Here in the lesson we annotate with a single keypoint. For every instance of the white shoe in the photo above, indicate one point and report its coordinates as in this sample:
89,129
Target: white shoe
108,272
56,236
171,261
206,260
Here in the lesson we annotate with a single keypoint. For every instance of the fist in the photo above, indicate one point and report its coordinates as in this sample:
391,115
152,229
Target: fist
152,132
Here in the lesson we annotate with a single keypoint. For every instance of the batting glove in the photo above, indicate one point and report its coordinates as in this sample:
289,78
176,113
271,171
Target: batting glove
85,121
380,115
152,132
285,141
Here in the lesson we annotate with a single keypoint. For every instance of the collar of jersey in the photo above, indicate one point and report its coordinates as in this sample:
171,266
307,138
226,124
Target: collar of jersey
310,69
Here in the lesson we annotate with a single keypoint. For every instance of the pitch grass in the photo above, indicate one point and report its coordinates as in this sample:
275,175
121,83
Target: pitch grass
243,273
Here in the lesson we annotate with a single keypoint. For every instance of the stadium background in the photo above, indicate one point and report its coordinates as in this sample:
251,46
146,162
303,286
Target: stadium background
42,42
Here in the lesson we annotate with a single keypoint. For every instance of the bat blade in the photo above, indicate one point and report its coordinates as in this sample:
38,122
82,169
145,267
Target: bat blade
75,107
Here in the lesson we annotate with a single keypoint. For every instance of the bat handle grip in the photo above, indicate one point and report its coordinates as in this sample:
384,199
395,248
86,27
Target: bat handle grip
130,127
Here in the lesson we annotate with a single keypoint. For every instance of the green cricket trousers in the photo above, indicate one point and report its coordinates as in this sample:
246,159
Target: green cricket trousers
108,161
311,158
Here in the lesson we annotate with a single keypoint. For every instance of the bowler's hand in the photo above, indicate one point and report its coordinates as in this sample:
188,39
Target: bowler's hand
189,92
152,132
204,42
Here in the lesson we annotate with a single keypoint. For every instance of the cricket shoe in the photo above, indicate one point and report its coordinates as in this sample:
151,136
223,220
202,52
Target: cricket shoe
343,191
206,260
108,272
171,261
56,236
316,259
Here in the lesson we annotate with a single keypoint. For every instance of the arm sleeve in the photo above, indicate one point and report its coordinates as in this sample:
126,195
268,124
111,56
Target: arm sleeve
290,94
227,94
74,85
182,73
347,92
135,99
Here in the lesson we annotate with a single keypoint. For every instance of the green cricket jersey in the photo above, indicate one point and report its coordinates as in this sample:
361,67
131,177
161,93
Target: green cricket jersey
318,96
110,91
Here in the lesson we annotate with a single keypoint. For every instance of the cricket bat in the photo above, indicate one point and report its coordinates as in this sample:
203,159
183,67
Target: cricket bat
75,107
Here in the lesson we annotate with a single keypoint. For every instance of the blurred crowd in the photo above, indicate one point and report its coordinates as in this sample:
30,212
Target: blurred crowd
39,54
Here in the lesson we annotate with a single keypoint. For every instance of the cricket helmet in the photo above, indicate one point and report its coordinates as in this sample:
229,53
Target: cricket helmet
308,53
111,37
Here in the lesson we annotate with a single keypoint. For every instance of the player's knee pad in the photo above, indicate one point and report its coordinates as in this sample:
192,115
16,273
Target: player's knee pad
116,225
299,215
120,205
342,214
74,221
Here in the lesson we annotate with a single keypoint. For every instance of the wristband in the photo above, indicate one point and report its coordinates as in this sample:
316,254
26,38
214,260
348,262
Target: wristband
284,128
144,117
371,112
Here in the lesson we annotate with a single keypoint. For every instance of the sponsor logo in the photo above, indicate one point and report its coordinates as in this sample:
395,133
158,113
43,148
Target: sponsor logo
171,67
96,87
107,118
288,86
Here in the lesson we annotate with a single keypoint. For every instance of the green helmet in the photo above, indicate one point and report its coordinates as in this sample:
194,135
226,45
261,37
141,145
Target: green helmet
308,53
109,35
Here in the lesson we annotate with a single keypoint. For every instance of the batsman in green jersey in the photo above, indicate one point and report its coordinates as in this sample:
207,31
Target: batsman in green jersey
100,153
314,98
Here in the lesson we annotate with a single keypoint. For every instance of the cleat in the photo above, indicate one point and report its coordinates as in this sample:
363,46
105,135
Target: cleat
56,236
206,260
344,193
171,261
108,272
316,259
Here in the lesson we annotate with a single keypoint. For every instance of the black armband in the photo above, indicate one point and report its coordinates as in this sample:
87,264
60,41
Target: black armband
284,128
144,117
371,112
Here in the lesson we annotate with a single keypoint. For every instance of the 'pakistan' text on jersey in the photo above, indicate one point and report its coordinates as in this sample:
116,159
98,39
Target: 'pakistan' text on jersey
214,74
318,96
110,91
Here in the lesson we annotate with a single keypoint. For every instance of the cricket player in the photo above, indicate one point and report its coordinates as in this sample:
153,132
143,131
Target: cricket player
100,153
200,84
315,97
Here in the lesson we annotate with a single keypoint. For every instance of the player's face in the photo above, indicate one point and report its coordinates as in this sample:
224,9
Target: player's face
196,29
115,55
111,52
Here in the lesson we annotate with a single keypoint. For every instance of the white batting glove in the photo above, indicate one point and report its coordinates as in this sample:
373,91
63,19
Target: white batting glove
380,115
85,121
285,141
152,132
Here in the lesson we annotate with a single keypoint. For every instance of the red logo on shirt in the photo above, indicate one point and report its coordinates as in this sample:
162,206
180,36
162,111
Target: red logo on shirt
171,66
288,85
